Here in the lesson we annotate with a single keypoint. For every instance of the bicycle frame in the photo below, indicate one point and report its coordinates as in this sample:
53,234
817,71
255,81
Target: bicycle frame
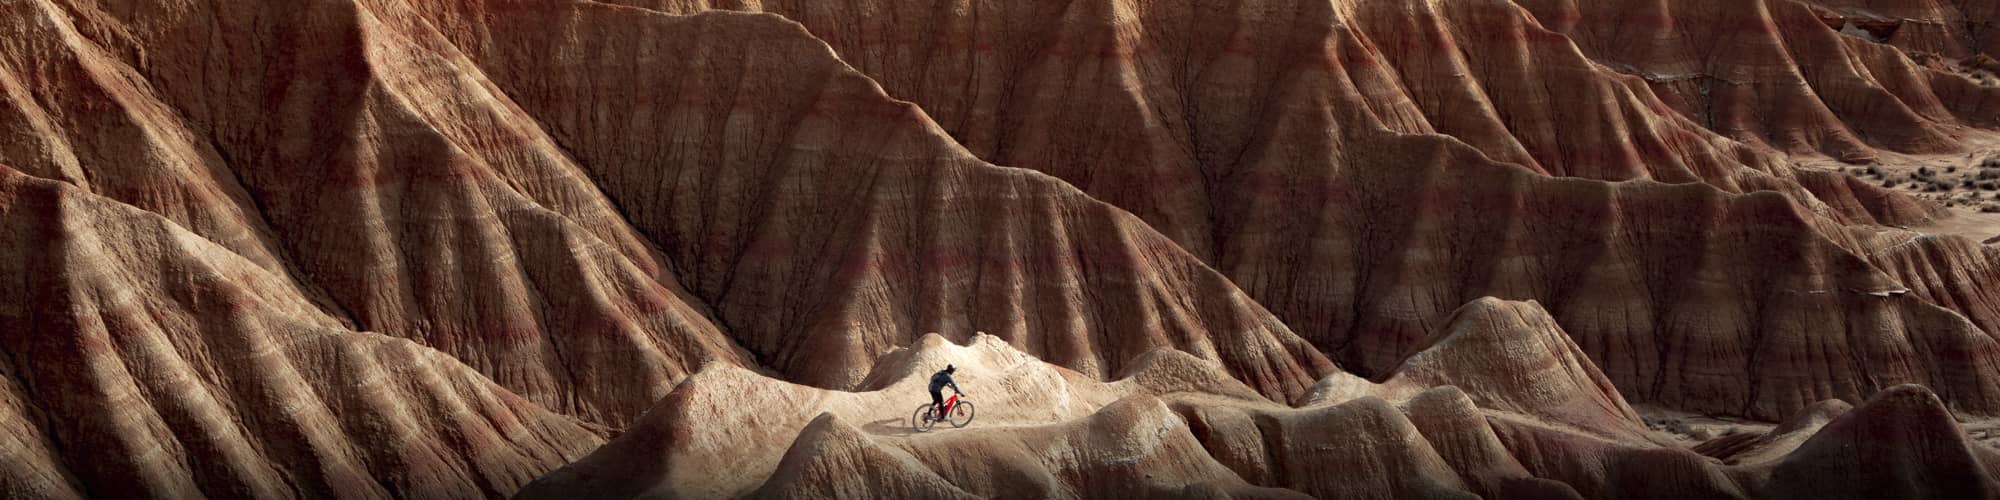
948,403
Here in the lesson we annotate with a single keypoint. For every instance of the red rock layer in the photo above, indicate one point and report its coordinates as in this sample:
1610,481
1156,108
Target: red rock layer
585,202
827,223
1511,356
1363,237
74,112
1682,309
1952,272
1902,443
1161,91
1772,72
144,361
590,263
750,206
1952,28
391,177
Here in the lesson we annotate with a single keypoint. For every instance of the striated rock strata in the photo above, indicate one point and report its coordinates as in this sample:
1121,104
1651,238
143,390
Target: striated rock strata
1363,168
145,361
445,248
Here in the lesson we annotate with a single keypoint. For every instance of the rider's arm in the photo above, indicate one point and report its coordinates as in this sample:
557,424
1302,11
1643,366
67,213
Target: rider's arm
954,386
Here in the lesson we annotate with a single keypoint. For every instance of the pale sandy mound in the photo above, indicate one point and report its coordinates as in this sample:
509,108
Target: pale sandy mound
723,431
1134,448
1541,424
831,459
1041,431
1505,356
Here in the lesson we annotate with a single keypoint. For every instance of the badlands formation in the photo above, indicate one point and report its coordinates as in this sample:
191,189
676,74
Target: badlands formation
1205,248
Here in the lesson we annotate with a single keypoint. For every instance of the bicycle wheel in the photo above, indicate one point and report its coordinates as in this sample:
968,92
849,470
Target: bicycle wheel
961,414
917,420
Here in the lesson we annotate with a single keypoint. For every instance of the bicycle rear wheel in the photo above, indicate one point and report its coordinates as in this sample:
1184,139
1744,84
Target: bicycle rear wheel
917,420
961,414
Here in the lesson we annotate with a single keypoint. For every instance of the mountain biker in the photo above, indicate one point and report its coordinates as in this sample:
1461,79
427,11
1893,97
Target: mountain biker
938,381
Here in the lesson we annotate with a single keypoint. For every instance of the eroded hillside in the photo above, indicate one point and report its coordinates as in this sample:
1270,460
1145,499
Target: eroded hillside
1418,249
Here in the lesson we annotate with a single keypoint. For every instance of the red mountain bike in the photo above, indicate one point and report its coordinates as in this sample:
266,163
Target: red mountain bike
956,411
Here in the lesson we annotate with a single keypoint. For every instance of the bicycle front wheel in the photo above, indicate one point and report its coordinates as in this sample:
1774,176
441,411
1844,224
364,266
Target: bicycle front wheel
961,414
917,420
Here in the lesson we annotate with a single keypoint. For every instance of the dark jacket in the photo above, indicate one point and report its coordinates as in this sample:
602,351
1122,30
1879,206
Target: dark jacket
943,378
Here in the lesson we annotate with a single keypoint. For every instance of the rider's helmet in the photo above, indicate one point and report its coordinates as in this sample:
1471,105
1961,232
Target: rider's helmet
949,368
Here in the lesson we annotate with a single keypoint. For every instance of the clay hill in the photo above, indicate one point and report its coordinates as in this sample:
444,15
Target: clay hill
1200,249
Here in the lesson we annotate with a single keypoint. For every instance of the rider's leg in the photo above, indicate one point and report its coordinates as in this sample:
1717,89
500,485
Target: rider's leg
937,405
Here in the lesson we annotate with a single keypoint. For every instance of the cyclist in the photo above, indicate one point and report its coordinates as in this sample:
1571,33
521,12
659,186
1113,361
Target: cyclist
938,381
